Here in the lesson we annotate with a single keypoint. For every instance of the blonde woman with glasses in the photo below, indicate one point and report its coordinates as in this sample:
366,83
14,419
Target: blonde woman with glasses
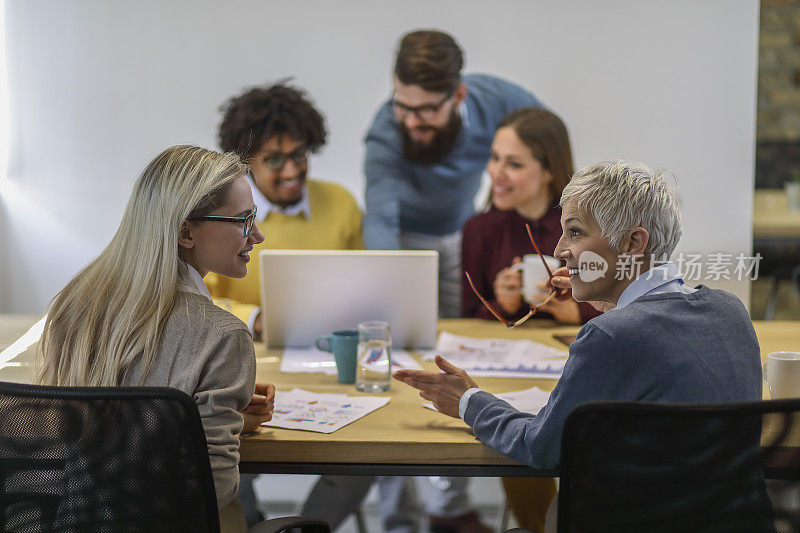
140,314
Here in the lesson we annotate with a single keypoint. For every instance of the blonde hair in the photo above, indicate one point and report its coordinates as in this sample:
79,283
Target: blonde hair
113,311
622,195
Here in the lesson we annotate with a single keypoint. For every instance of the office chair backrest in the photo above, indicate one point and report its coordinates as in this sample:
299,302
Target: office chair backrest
103,459
632,466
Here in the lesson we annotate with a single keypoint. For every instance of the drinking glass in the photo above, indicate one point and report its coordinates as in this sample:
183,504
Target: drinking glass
374,367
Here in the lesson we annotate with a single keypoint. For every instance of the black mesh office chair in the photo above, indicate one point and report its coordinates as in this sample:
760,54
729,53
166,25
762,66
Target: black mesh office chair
104,459
631,466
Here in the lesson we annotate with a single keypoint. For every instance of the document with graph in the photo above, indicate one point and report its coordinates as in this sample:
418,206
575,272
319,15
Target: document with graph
501,357
323,413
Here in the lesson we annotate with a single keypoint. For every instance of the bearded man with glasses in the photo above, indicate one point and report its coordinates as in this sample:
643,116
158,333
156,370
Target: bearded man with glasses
426,151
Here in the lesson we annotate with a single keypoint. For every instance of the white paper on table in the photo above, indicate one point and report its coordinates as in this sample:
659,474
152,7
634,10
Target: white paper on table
403,359
426,354
528,401
323,413
312,359
319,395
501,357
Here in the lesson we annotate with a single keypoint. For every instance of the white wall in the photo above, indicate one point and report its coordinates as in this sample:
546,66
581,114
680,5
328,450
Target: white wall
97,88
5,301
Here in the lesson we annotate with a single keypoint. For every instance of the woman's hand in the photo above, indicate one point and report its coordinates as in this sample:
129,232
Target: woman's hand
563,309
563,306
508,288
560,281
443,388
260,408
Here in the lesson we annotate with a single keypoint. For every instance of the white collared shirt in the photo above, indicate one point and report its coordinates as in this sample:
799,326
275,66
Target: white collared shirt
462,108
190,280
264,206
658,280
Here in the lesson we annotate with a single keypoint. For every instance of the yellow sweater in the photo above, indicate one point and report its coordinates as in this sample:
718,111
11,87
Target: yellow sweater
335,224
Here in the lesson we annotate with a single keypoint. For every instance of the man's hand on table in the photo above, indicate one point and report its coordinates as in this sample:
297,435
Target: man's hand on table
260,408
444,388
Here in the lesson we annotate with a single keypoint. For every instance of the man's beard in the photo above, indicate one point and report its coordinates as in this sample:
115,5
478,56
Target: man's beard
443,140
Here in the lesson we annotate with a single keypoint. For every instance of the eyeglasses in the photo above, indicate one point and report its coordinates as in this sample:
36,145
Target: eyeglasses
247,220
533,309
424,112
277,161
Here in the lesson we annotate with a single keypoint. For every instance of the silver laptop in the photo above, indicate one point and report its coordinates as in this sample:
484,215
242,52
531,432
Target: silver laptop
307,293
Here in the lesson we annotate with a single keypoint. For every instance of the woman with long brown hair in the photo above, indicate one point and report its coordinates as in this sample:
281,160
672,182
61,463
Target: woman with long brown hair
530,164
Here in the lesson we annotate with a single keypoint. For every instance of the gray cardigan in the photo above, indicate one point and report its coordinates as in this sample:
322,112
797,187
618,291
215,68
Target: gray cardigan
207,353
673,347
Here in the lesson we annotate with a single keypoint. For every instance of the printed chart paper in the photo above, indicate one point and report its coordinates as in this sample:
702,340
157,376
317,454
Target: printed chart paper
529,400
299,360
323,413
501,357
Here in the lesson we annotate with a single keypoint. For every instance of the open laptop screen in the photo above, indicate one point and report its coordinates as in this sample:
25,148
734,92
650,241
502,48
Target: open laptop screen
307,293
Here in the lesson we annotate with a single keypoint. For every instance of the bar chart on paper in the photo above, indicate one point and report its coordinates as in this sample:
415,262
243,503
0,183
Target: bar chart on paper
501,357
322,413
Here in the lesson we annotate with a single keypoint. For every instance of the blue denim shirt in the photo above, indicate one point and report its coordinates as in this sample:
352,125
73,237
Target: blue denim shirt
433,199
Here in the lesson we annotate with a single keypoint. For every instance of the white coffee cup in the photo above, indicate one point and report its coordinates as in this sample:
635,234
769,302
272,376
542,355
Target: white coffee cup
782,375
533,273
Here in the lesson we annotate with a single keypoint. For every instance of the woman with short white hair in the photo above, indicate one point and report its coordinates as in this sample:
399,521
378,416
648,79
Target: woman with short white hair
662,342
139,313
636,211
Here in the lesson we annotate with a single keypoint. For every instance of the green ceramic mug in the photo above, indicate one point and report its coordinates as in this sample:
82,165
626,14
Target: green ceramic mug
344,345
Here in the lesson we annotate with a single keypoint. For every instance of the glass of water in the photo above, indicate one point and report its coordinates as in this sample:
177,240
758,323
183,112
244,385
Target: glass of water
374,368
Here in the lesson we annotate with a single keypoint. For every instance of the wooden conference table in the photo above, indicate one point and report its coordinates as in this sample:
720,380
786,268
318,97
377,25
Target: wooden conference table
401,438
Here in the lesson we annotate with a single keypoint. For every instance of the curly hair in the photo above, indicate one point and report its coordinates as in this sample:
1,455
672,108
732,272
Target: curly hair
251,119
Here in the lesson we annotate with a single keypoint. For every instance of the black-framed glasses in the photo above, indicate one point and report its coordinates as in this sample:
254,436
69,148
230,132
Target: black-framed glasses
248,220
277,161
423,112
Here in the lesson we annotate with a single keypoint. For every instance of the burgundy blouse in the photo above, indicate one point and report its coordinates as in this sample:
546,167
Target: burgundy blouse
490,241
